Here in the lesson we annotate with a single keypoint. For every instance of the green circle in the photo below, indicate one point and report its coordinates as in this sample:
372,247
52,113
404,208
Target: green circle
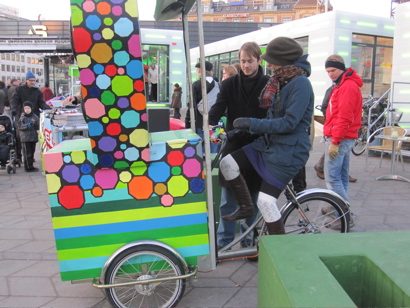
108,21
116,45
114,113
176,170
107,98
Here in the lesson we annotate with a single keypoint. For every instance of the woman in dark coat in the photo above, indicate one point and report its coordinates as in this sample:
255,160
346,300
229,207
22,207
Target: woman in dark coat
176,101
284,145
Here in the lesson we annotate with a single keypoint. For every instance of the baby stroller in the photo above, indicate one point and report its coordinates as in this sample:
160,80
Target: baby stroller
8,146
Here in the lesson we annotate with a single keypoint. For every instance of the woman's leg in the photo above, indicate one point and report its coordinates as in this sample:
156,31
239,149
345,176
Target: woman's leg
267,206
231,170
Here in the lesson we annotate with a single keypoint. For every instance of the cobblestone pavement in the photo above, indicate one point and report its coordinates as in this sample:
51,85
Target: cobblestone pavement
29,274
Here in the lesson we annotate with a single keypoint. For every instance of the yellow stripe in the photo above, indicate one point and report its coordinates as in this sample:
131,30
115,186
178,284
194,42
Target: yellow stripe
101,251
128,215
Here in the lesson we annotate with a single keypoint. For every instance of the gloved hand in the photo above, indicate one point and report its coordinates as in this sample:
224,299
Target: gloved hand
235,133
242,123
333,150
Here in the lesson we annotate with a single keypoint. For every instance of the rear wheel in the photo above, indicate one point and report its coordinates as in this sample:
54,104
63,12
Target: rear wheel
324,212
360,142
143,263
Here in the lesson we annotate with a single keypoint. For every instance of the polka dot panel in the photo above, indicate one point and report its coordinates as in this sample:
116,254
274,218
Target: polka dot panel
107,45
173,175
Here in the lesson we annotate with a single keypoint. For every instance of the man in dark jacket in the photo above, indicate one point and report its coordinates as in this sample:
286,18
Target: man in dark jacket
239,98
197,97
23,93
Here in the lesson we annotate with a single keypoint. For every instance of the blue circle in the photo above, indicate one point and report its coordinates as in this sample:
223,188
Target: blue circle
98,69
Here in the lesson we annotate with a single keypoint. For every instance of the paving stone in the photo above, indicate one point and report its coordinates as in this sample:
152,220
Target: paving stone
71,302
208,297
246,297
40,269
31,286
24,301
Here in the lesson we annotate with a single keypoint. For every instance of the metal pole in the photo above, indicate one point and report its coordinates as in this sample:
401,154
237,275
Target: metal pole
190,105
208,170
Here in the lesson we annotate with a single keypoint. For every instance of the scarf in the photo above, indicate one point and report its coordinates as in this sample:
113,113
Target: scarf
272,89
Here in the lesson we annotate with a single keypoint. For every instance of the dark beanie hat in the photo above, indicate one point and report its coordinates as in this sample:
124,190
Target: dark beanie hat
208,66
28,103
282,51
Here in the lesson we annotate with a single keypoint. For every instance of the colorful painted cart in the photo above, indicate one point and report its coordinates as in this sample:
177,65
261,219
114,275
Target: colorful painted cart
127,206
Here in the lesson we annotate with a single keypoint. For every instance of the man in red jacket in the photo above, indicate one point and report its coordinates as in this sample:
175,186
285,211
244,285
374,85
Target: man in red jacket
343,119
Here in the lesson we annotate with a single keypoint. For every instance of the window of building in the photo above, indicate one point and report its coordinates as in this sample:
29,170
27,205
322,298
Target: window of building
3,56
255,7
286,19
8,68
237,8
246,7
268,6
228,8
22,59
7,56
222,20
29,60
268,20
205,9
3,67
18,68
13,57
250,19
236,20
372,58
13,68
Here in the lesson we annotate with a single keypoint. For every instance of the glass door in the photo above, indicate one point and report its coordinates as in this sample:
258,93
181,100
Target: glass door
163,79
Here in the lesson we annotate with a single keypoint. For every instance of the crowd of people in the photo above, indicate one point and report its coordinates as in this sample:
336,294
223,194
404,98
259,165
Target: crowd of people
23,102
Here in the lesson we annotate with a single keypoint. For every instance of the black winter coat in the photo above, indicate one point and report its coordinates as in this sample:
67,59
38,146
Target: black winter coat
233,101
28,125
24,93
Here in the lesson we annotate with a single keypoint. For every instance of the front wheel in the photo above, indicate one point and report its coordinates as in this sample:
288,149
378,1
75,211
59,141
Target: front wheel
143,263
318,212
360,142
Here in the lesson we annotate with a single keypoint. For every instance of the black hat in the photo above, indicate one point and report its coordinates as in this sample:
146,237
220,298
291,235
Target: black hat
282,51
13,80
208,66
28,103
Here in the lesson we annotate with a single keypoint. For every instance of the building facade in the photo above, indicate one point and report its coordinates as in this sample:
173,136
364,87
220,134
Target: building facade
273,11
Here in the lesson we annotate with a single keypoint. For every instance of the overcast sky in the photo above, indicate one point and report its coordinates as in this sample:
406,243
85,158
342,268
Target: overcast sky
60,9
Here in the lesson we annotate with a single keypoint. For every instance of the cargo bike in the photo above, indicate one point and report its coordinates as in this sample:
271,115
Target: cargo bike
132,210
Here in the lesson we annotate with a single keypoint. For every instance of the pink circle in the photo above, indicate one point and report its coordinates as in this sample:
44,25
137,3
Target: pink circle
89,6
121,71
167,200
117,10
119,154
144,117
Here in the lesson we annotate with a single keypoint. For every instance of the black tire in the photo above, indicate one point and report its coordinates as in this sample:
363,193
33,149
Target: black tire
361,141
319,221
145,262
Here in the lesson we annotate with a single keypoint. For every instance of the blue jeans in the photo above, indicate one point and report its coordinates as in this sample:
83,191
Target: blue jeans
337,169
227,229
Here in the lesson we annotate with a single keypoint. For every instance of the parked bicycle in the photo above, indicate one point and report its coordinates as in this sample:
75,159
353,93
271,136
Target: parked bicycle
376,115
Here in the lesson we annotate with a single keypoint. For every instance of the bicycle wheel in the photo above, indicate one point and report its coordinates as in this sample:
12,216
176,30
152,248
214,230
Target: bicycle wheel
360,142
324,212
142,263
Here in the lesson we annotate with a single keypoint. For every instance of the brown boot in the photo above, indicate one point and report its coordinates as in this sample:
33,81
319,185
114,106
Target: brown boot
276,227
246,208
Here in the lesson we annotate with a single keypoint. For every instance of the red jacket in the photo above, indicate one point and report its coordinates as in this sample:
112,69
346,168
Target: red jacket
344,112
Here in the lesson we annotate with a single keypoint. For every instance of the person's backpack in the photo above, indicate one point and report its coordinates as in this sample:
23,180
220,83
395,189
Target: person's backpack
210,97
